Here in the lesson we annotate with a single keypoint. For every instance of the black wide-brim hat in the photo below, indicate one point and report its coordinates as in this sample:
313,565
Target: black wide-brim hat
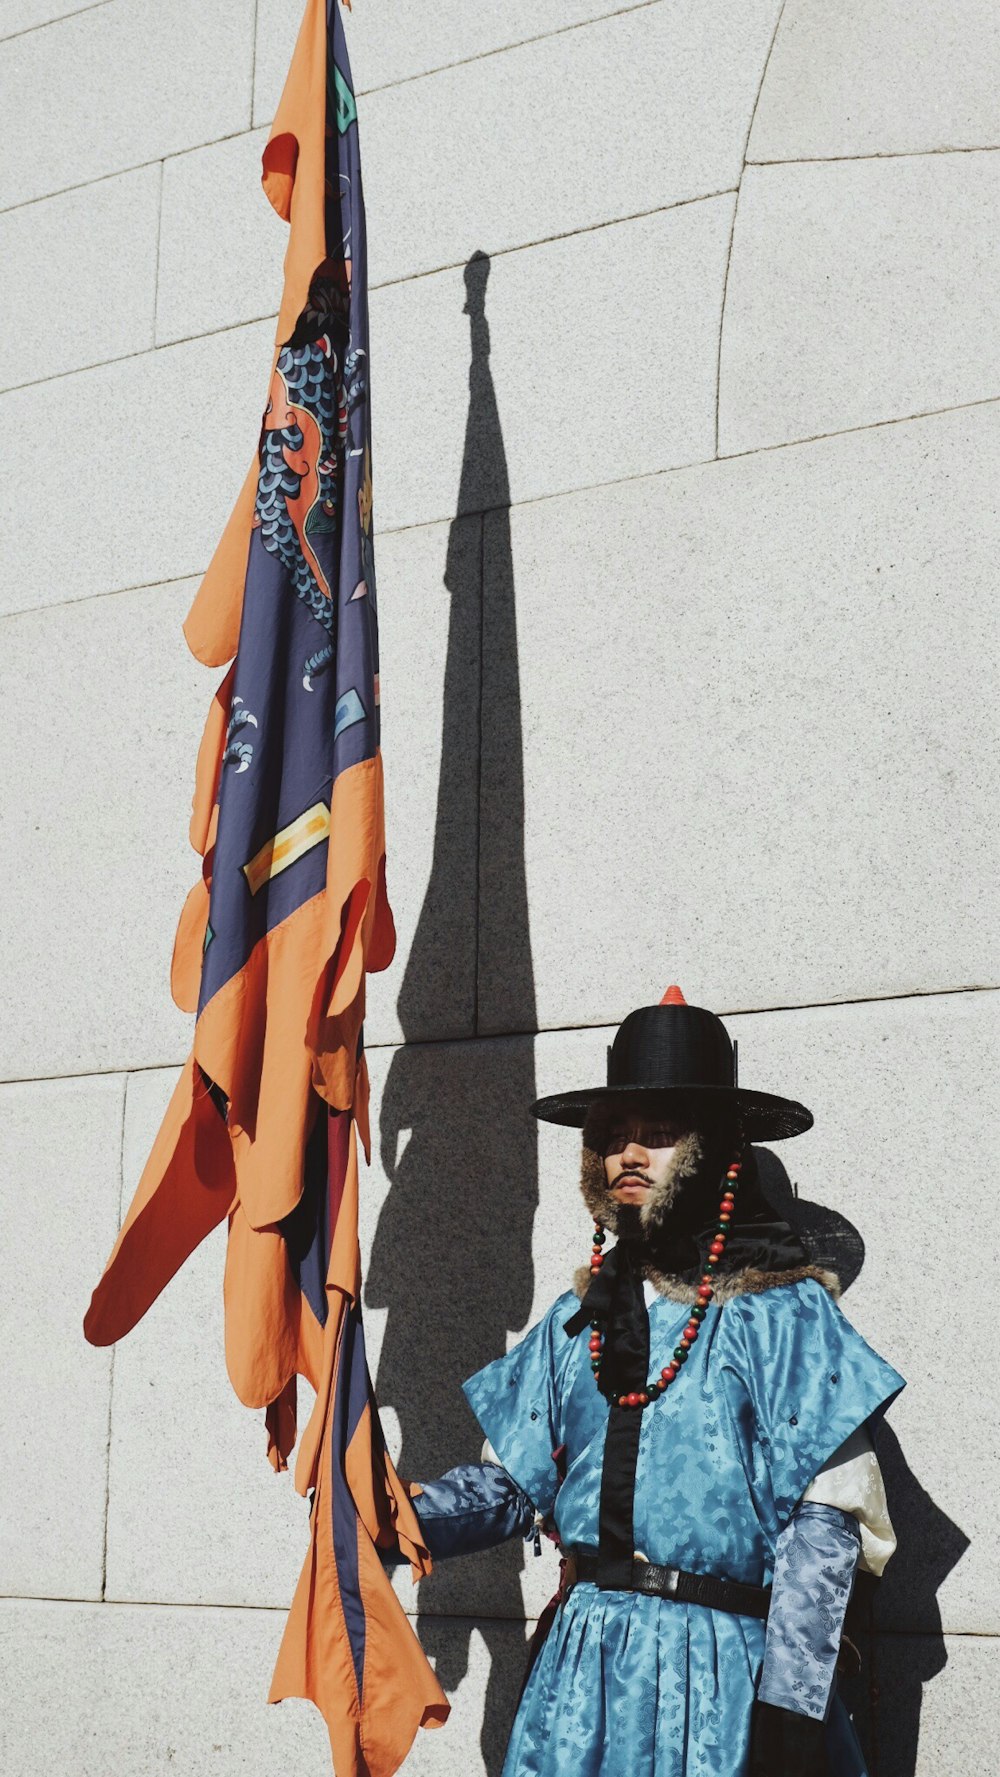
678,1059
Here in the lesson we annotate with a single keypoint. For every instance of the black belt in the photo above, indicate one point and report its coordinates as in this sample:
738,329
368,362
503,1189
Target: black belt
685,1588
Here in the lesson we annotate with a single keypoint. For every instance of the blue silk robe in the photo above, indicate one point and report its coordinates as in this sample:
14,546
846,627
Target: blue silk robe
635,1686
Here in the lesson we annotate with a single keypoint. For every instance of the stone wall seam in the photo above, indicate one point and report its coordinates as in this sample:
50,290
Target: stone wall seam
253,62
736,211
134,166
85,598
502,49
45,24
824,160
111,1366
156,267
566,234
902,419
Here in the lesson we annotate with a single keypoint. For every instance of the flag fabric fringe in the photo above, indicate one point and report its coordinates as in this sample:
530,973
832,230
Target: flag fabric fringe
275,940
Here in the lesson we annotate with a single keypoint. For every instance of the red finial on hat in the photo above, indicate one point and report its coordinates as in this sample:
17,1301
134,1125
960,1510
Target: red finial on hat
673,997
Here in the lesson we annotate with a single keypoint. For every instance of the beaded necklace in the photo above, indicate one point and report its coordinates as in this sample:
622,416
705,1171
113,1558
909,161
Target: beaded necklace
706,1289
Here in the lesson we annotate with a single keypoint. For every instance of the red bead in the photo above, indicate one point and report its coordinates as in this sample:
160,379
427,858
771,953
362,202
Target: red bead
692,1329
670,1372
704,1291
597,1258
633,1400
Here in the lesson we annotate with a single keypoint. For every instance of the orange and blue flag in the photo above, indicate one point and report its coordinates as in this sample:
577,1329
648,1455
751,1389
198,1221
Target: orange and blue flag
277,936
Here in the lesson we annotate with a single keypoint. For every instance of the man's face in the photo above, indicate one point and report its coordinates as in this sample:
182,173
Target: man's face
637,1155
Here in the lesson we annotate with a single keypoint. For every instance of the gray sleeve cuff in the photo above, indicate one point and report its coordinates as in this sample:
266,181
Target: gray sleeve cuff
814,1568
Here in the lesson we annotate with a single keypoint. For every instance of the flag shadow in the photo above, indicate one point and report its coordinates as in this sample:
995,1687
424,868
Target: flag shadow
451,1257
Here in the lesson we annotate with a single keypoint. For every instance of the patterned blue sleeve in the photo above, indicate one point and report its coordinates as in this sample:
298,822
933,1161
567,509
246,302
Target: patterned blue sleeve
814,1568
472,1506
812,1380
515,1400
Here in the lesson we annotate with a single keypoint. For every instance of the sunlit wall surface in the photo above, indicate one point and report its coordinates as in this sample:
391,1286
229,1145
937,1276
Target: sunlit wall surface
686,391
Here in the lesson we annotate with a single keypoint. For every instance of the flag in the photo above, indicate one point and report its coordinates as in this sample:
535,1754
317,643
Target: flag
275,940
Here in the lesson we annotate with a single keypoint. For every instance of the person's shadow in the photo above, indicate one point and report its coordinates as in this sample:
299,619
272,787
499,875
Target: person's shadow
451,1258
885,1698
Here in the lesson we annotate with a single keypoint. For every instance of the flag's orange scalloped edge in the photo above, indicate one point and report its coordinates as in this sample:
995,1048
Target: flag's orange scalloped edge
294,163
293,174
186,1189
281,1032
314,1659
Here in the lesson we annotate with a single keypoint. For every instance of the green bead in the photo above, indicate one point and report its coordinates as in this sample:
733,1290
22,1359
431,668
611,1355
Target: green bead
698,1313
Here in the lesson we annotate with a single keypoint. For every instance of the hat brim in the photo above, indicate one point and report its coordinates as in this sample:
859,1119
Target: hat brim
763,1115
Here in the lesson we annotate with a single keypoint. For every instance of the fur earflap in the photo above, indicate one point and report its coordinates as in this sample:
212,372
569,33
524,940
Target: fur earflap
686,1158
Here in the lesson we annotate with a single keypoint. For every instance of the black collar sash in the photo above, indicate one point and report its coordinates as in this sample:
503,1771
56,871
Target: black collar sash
615,1297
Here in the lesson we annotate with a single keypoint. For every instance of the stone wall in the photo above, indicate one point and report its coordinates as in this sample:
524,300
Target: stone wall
686,393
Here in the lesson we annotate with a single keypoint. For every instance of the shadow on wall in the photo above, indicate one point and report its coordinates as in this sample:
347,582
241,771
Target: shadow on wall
885,1700
464,1190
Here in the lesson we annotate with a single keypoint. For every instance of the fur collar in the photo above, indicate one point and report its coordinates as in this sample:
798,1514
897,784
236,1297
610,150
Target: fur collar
736,1283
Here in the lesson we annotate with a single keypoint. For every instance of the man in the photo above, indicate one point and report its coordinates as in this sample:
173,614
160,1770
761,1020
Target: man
696,1434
